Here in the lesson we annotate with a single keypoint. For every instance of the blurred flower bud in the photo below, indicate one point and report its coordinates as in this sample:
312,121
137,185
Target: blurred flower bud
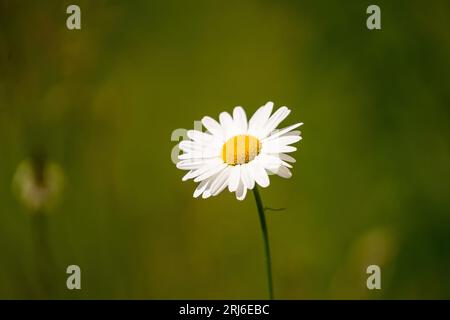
38,184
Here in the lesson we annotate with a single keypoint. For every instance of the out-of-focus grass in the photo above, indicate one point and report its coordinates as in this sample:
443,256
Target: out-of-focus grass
369,186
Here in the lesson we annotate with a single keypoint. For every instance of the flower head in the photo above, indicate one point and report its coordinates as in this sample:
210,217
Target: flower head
237,153
38,184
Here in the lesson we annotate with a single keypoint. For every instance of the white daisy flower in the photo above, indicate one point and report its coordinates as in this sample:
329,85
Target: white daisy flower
237,153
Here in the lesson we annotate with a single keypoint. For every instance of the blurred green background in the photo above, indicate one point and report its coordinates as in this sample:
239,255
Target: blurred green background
370,186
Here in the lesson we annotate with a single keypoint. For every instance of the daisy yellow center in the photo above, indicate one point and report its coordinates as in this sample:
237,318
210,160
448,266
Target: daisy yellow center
240,149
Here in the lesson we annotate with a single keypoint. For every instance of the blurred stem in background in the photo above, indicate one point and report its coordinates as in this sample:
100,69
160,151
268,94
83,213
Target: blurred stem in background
41,244
38,183
262,219
43,253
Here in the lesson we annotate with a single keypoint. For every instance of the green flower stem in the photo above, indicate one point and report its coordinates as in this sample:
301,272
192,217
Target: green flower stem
262,219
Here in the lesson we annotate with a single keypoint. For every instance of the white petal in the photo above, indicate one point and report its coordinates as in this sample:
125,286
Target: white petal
235,177
220,182
241,192
280,144
206,194
278,149
221,189
284,163
227,123
281,141
190,164
259,119
240,119
200,188
269,161
259,174
212,171
199,136
213,127
199,155
282,131
187,175
274,121
286,157
292,133
283,172
209,164
247,179
188,146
